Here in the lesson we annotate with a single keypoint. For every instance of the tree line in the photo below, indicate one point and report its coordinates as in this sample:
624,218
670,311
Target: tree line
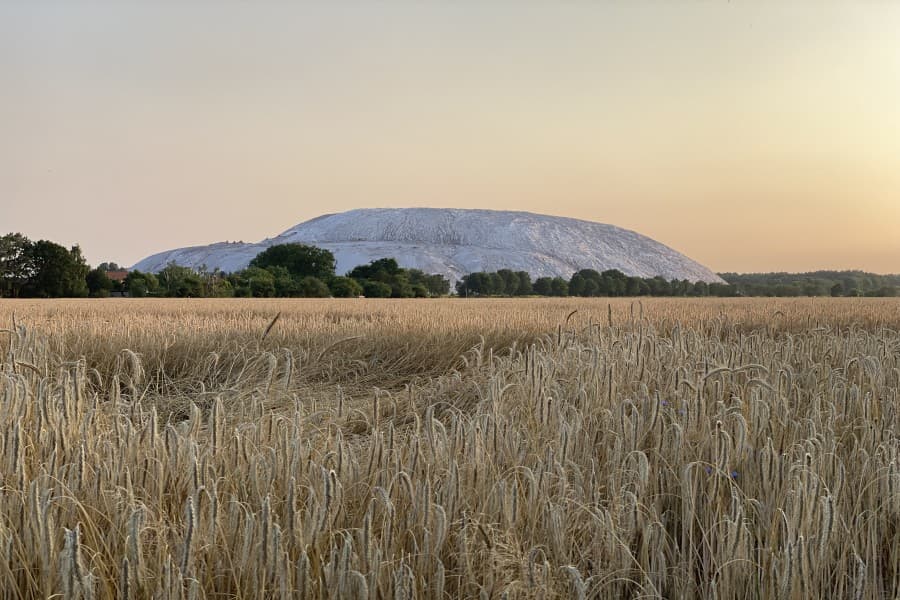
41,269
44,269
289,271
815,283
586,283
612,282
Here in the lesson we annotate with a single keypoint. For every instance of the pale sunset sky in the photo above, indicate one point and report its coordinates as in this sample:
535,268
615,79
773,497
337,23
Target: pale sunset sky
751,136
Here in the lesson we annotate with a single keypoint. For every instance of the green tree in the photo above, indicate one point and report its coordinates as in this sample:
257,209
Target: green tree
214,283
510,281
524,287
682,287
815,287
253,282
701,288
78,270
659,286
613,282
15,264
286,285
784,290
141,285
722,290
559,287
299,259
177,281
313,287
577,285
376,289
543,286
497,287
383,269
56,272
586,282
436,285
591,288
475,284
98,283
401,288
344,287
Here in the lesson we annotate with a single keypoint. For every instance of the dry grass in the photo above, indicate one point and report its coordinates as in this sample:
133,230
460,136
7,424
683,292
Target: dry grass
426,449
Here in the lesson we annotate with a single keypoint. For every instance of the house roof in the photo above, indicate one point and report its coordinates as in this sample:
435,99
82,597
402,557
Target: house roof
117,275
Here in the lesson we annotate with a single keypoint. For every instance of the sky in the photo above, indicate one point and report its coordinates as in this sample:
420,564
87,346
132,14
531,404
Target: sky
755,136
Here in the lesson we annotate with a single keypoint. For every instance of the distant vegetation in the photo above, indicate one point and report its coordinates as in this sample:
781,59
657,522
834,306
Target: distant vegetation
585,283
614,283
47,270
41,269
817,283
44,269
290,271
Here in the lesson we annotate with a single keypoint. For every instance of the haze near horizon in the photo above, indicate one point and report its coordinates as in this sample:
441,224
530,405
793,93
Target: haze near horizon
750,137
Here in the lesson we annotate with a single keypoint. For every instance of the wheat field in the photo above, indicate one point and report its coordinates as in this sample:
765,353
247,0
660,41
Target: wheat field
538,448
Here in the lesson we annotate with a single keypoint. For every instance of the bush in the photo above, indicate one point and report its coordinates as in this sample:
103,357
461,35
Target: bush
344,287
313,287
376,289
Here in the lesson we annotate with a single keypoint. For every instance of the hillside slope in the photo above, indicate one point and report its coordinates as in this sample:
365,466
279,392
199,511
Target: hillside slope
454,242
